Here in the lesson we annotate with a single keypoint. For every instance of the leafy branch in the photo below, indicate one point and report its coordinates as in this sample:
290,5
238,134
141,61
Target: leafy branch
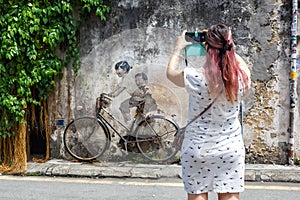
30,33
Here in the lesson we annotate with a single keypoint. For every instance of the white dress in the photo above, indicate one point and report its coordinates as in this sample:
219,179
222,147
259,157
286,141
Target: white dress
212,154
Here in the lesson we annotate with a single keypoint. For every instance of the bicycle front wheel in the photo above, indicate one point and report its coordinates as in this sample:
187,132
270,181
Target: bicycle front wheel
155,136
86,138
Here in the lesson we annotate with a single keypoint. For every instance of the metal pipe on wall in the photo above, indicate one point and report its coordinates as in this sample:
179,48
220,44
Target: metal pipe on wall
293,81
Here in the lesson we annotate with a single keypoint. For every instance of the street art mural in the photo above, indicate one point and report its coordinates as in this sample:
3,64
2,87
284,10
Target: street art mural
130,70
142,33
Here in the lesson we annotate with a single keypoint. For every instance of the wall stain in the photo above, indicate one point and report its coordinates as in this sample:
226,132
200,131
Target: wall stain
261,118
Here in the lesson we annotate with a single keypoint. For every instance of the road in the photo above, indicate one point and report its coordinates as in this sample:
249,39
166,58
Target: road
58,188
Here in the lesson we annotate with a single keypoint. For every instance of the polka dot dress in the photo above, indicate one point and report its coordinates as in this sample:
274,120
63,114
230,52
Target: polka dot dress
212,154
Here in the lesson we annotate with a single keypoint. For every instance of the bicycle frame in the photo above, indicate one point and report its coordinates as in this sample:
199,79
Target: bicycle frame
152,134
105,121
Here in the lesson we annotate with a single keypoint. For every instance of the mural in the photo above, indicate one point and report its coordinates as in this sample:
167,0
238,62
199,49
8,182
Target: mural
139,91
142,33
123,70
130,68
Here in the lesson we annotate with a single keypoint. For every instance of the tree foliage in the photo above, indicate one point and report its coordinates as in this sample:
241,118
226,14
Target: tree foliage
30,34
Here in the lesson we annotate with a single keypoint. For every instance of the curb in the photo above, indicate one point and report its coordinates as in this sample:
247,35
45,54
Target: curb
103,169
272,173
253,172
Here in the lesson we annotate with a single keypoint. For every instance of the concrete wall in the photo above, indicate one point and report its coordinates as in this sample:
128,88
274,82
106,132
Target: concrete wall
143,32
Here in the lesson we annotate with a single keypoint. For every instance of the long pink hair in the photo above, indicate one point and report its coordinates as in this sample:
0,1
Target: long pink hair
221,68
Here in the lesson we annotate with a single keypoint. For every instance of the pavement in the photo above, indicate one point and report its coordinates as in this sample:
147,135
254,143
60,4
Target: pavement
127,169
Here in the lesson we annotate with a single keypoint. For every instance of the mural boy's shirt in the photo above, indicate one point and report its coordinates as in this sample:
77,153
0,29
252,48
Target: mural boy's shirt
128,82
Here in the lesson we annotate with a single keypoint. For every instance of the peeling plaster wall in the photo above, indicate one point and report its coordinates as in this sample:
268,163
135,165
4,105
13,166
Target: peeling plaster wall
143,32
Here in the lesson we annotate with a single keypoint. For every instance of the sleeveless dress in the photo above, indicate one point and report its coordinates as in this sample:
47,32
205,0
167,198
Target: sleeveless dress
212,154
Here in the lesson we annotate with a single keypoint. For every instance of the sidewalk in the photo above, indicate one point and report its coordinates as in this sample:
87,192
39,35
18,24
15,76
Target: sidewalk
56,167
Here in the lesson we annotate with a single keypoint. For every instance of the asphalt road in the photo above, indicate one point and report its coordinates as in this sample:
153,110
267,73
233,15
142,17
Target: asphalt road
57,188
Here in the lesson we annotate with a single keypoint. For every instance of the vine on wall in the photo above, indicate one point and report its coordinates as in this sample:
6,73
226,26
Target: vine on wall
30,34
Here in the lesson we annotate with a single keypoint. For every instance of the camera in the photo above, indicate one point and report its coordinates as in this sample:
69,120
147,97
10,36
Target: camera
195,37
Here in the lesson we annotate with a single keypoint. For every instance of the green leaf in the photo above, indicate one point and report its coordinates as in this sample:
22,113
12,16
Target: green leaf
31,29
45,20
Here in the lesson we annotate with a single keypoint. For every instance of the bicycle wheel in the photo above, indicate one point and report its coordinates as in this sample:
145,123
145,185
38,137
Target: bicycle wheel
155,136
86,138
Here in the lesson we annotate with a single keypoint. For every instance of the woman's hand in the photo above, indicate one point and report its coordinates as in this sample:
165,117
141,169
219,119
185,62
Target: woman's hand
174,74
181,43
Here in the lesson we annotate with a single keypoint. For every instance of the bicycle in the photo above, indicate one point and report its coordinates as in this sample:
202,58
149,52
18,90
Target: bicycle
88,137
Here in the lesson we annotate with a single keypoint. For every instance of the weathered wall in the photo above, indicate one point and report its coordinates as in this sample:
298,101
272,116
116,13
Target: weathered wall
143,32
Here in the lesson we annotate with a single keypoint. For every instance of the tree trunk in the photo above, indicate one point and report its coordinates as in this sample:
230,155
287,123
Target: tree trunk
20,156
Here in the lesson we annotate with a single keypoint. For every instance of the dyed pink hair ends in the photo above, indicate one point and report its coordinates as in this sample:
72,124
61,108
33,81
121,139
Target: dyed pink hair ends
221,68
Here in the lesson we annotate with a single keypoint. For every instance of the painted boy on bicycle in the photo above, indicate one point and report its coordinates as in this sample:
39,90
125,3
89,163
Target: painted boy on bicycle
139,91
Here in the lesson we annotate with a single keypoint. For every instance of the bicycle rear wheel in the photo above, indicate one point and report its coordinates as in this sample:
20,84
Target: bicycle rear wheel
86,138
155,136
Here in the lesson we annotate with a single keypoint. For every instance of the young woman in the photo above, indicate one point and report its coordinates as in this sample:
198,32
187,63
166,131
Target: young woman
212,154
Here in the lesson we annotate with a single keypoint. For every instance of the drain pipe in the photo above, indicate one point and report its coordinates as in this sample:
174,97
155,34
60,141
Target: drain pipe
293,81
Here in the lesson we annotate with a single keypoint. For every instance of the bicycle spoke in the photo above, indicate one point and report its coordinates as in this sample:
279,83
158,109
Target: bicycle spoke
85,139
155,137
